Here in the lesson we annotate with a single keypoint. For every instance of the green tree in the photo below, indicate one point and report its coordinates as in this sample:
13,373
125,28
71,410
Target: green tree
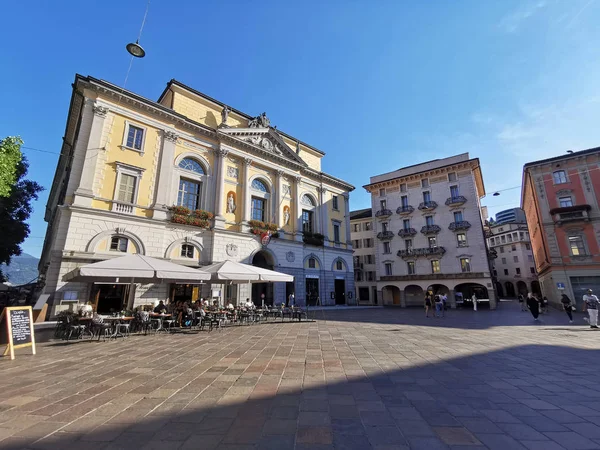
15,209
10,156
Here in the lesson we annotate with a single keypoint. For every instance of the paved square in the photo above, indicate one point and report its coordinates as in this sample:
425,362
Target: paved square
352,379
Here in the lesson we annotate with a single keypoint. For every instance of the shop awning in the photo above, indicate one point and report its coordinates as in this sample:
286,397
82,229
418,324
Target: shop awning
139,268
238,273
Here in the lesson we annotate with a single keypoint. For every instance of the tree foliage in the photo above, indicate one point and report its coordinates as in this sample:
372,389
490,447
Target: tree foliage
15,209
10,156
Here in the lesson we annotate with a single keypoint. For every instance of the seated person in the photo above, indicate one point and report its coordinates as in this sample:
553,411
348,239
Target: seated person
230,306
160,308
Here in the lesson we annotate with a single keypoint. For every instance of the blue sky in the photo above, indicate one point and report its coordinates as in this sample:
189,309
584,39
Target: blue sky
376,85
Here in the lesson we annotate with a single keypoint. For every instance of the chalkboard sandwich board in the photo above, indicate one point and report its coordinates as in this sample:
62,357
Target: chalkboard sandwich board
19,329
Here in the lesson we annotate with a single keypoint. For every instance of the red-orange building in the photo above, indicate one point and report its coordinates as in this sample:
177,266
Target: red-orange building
561,199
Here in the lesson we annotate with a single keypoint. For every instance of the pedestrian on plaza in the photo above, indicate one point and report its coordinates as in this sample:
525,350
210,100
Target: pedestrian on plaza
439,306
590,304
444,300
522,303
534,306
474,300
427,304
568,306
545,304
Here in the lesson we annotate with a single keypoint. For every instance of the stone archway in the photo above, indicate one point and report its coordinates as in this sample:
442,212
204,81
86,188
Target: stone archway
499,289
391,295
439,289
264,260
521,288
510,289
414,295
468,289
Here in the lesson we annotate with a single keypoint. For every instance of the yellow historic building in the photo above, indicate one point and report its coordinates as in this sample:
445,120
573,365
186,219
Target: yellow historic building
191,180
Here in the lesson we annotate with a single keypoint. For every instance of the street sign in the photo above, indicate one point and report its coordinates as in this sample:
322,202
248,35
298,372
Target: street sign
560,286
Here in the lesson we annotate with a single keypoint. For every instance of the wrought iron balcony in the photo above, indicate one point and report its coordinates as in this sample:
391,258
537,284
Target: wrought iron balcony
385,235
431,229
405,210
492,254
456,201
406,232
457,226
382,213
427,206
577,213
416,252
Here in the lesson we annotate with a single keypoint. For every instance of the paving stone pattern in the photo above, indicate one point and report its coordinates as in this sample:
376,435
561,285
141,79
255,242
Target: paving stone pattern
362,379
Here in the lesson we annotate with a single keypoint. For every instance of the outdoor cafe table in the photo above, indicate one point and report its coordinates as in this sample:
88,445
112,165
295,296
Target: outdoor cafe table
160,318
115,321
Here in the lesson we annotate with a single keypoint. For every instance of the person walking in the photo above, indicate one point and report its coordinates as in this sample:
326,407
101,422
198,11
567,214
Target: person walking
590,304
439,306
566,302
427,304
534,306
522,303
545,304
474,300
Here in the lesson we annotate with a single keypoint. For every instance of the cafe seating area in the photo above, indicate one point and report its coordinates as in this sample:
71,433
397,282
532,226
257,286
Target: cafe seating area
88,325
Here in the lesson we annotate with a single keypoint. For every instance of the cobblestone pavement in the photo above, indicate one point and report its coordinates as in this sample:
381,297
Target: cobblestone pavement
378,378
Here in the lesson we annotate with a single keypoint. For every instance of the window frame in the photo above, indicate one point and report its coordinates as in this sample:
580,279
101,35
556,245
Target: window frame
450,174
382,192
463,242
184,251
312,263
403,187
435,266
411,267
337,231
387,248
335,203
583,245
566,199
389,271
425,183
126,169
195,177
368,226
119,240
560,180
144,129
254,198
465,265
311,220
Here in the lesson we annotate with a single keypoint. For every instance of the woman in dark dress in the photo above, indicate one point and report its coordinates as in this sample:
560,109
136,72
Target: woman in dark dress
533,305
566,301
427,304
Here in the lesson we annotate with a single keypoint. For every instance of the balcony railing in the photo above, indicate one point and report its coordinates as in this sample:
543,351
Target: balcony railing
577,213
383,213
492,254
316,239
461,225
406,232
456,201
431,229
416,252
405,210
123,208
385,235
427,206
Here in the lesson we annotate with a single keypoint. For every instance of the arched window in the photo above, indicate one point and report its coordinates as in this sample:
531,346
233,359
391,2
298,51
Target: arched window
192,165
119,244
259,185
187,251
307,200
339,265
312,263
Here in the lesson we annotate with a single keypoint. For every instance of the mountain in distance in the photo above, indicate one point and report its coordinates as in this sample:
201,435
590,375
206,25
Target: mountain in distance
22,269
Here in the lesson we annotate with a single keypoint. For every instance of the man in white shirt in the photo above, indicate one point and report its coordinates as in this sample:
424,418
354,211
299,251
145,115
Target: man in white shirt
591,304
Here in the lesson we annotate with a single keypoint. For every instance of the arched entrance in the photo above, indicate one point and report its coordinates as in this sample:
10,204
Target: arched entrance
264,260
414,295
439,289
521,288
499,289
391,295
510,289
468,289
535,287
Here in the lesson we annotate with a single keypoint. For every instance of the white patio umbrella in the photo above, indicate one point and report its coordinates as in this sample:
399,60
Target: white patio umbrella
239,273
140,268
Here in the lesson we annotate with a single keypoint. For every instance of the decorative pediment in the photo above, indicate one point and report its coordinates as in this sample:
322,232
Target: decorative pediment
264,139
564,192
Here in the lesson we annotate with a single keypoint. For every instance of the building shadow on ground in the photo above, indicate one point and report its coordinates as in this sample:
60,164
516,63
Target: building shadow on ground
488,400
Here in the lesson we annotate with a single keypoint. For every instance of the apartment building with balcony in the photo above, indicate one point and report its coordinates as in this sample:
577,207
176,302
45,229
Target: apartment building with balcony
429,232
513,265
560,197
365,269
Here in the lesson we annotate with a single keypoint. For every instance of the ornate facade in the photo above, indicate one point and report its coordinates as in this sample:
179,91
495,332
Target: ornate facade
188,179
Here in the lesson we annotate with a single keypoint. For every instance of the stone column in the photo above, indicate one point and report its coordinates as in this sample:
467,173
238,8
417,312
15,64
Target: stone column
84,192
246,198
346,197
323,213
163,185
221,154
452,299
298,208
276,209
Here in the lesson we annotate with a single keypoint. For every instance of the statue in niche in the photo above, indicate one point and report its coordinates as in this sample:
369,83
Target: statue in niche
230,203
286,216
224,115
